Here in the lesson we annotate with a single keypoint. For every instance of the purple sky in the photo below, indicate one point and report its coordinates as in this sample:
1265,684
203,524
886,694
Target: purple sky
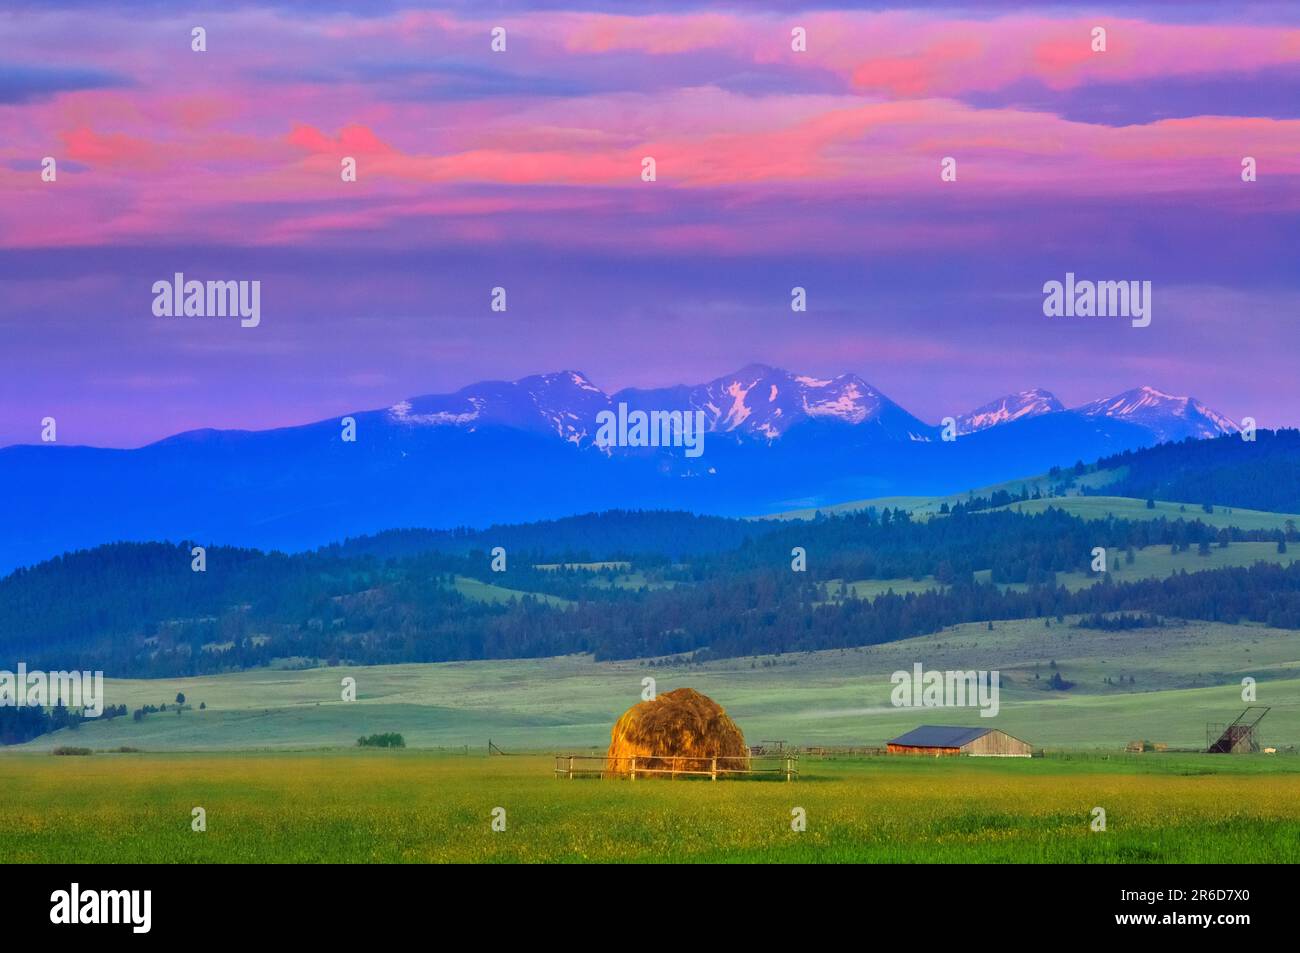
522,169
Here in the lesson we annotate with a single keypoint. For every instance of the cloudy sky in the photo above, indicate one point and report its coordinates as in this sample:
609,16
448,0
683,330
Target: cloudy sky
522,169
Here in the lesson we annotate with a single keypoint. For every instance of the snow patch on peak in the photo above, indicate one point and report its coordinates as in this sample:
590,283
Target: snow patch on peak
813,382
578,379
401,413
1147,389
849,404
739,410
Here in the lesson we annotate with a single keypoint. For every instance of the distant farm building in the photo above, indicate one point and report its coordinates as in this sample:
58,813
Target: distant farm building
937,740
1240,736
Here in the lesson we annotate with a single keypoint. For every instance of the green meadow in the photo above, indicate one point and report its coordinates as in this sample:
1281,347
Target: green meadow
270,754
1123,507
486,592
1159,684
1151,562
924,506
1084,507
271,758
418,806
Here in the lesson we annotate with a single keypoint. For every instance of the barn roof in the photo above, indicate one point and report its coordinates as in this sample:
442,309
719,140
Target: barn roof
939,736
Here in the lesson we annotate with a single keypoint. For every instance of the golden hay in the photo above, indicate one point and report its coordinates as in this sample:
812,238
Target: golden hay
680,730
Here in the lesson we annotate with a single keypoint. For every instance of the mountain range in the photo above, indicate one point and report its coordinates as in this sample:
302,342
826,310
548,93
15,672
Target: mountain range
764,402
513,451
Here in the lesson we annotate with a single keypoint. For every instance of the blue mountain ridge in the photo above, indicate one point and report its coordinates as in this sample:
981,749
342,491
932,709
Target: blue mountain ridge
501,452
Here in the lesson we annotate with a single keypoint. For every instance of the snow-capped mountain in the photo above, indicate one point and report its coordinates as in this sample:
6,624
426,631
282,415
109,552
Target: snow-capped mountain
1166,416
564,403
1027,403
515,451
757,402
765,402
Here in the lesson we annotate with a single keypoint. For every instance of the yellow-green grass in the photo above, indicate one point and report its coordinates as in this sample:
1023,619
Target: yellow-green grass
913,504
409,806
1123,507
633,580
588,567
1182,676
1150,562
870,588
1085,507
923,507
486,592
1158,562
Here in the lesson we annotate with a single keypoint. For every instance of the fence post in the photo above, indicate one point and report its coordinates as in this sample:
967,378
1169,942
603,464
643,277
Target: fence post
634,769
713,771
787,770
570,767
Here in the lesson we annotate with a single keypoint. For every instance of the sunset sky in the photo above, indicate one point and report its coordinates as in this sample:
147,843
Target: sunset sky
522,169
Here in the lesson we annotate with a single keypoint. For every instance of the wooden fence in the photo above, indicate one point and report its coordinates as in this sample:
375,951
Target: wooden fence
572,766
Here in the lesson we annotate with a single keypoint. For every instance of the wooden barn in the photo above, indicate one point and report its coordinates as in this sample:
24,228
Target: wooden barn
938,740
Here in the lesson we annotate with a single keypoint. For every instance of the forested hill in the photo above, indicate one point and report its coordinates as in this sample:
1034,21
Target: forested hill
1263,474
614,534
139,609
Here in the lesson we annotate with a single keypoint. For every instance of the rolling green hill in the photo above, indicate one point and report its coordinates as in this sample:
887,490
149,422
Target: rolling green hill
1182,677
1102,507
1259,476
1151,562
481,591
1085,507
922,507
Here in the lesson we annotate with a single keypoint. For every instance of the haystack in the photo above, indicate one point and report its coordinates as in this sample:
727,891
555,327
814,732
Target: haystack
680,730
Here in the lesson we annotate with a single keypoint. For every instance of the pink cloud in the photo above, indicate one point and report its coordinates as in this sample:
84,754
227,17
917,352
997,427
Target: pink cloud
111,148
186,158
606,33
352,140
924,54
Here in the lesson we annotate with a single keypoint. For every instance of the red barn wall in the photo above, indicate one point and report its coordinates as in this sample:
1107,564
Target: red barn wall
914,749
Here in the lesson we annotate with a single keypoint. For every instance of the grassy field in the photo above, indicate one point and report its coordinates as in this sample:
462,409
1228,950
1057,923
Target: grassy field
1084,507
486,592
1174,680
1157,562
922,507
1123,507
409,806
590,567
1153,562
272,760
